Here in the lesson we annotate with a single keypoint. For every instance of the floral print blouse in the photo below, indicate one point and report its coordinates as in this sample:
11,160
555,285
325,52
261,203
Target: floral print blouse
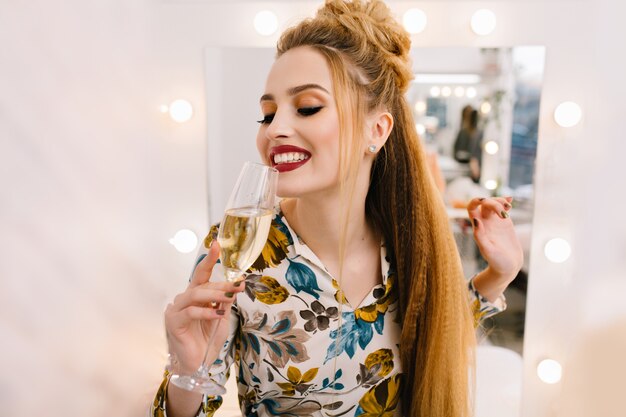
299,347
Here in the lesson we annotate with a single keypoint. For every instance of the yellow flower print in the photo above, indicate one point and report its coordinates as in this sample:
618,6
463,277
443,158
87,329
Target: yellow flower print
370,313
339,294
158,406
390,296
210,406
383,358
268,291
297,381
381,400
478,315
211,236
274,251
288,388
367,314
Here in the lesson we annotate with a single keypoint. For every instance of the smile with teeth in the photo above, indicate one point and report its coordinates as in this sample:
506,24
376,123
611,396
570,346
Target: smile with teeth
289,157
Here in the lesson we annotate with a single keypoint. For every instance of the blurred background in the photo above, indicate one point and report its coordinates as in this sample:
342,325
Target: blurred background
101,166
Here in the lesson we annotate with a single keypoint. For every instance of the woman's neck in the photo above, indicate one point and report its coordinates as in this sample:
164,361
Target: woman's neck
318,222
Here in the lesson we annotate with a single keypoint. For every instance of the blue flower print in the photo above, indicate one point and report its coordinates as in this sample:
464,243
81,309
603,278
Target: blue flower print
302,278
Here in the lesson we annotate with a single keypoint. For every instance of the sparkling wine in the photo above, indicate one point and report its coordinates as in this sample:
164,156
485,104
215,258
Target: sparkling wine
242,236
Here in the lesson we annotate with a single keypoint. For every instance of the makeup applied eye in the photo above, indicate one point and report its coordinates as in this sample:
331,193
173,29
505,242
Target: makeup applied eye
309,111
303,111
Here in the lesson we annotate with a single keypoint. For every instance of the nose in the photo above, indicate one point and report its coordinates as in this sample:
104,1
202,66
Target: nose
280,127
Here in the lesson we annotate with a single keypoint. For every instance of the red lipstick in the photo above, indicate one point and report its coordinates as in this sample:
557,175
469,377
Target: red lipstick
287,166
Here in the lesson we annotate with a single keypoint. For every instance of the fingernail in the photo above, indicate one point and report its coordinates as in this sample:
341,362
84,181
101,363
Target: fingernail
480,199
238,283
507,206
475,222
220,312
504,214
229,294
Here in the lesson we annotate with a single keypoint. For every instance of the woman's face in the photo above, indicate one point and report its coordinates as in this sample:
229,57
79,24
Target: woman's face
299,132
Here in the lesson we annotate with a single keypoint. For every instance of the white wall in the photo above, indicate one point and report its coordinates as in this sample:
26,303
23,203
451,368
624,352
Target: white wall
234,83
94,180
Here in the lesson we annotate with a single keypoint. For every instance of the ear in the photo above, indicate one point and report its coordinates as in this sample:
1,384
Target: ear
380,126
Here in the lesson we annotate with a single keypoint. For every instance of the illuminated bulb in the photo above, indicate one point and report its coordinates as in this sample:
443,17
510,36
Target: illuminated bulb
459,91
180,110
414,20
491,147
485,107
265,22
567,114
164,108
446,91
421,129
557,250
435,91
491,184
184,241
483,22
470,92
549,371
420,106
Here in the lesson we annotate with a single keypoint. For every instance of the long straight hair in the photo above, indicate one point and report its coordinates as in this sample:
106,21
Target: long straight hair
367,54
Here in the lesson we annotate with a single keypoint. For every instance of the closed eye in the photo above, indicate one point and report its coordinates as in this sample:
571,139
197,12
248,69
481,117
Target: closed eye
267,119
309,111
304,111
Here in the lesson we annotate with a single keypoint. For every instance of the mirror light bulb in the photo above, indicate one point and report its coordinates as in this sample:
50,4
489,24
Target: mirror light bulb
470,92
180,110
485,107
414,21
421,129
459,91
164,108
491,184
184,241
483,22
420,106
557,250
549,371
567,114
446,91
435,91
265,22
491,147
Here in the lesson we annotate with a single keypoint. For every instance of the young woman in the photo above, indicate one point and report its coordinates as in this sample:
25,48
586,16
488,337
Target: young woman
358,305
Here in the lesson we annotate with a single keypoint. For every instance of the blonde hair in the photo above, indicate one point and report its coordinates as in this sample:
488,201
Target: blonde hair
368,55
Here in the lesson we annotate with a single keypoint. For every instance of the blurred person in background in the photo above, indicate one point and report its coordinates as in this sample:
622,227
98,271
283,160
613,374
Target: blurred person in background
463,142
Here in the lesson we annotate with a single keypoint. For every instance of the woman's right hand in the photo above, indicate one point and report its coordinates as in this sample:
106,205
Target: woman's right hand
191,318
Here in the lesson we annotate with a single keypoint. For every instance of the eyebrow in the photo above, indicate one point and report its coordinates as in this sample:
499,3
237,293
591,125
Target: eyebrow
295,90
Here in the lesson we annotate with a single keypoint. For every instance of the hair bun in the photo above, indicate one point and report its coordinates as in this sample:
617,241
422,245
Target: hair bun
371,22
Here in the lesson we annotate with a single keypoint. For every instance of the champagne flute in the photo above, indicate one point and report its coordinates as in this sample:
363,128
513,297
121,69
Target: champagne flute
242,236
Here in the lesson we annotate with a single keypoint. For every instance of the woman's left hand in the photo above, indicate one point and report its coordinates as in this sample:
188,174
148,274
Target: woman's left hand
495,235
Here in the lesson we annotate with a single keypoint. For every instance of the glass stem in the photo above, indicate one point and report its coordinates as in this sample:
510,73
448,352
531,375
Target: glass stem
203,370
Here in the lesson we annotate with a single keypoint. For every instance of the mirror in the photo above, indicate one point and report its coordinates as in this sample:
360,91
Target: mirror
503,87
477,111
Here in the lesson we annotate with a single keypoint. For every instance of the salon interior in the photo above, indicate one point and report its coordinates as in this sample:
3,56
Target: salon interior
123,126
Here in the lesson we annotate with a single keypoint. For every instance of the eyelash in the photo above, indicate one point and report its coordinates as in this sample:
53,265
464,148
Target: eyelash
266,119
304,111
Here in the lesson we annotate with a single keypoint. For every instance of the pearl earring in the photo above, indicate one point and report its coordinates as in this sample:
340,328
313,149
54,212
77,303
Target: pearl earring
372,148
